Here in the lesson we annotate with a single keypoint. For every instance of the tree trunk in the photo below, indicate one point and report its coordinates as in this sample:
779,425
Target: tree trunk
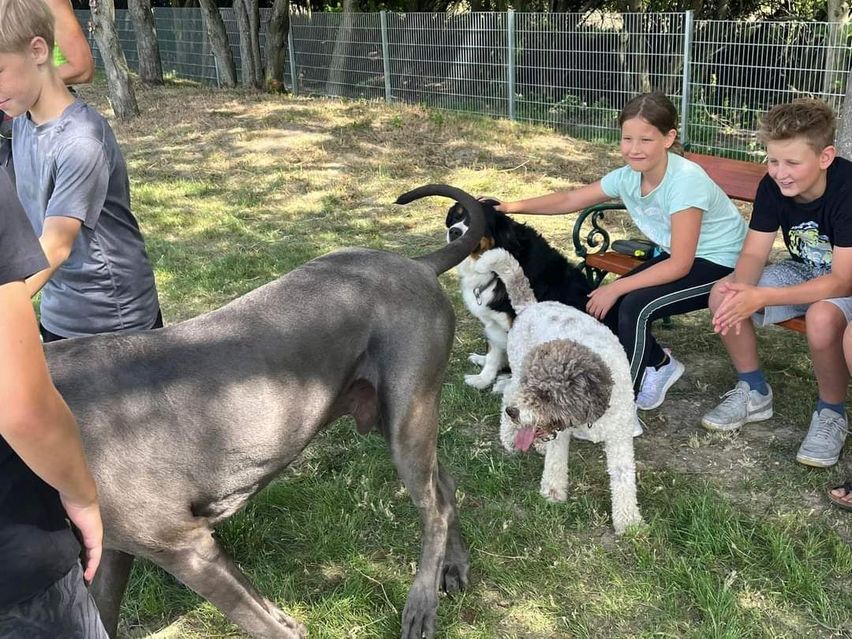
844,131
276,45
147,46
632,51
218,36
341,46
837,16
253,10
248,69
121,94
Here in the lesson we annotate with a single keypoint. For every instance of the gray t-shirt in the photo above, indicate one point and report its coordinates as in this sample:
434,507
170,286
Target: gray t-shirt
72,167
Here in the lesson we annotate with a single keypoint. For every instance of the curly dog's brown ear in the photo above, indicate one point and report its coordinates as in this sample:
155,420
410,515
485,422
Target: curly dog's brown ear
567,383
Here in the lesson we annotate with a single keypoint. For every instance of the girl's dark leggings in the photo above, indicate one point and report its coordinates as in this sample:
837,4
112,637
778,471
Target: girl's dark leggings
631,316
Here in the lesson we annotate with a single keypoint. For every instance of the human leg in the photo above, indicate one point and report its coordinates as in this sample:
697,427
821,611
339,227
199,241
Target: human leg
635,312
827,322
64,610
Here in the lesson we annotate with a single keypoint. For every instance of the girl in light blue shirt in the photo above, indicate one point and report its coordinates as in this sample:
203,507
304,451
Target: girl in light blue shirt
675,204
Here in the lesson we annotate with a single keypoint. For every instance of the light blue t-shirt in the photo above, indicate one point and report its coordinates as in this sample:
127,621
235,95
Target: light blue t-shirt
685,185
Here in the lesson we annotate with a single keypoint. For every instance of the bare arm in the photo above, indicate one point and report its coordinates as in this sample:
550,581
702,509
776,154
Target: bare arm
57,240
80,66
743,298
753,257
686,226
36,422
559,202
838,283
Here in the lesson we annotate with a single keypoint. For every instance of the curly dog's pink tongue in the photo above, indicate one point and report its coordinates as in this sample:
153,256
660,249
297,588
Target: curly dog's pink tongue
524,438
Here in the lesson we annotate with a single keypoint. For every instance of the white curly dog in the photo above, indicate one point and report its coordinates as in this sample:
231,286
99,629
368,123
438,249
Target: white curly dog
571,375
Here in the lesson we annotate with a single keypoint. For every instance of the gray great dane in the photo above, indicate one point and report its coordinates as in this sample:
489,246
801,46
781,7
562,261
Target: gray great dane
183,425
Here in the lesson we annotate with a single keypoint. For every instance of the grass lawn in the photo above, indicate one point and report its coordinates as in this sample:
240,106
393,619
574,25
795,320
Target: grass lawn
233,189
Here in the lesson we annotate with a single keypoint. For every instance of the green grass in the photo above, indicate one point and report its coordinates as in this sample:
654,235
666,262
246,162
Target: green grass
239,188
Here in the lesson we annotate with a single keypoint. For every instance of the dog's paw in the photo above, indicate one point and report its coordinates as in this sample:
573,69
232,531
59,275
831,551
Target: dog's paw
554,493
290,628
501,383
478,381
476,359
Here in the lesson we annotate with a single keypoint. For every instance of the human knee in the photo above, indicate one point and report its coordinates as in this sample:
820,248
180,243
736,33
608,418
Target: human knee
847,346
716,294
825,325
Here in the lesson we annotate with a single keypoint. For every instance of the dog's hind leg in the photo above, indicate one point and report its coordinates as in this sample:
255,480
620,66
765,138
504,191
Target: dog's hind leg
198,561
622,481
109,585
456,557
554,479
412,436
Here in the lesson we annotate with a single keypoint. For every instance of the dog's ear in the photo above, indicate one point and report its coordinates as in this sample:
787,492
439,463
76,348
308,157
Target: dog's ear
455,214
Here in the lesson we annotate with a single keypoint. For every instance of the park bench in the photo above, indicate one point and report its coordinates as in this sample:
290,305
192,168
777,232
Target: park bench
737,178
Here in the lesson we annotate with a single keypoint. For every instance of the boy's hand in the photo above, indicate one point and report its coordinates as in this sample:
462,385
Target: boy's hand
87,519
740,303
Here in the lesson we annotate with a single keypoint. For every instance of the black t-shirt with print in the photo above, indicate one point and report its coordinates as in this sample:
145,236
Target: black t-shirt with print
811,229
36,545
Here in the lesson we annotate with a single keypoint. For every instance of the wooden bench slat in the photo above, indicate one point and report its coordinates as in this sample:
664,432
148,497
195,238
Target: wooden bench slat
738,178
612,262
796,324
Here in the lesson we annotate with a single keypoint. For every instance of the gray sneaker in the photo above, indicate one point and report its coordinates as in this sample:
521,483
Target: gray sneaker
739,406
824,441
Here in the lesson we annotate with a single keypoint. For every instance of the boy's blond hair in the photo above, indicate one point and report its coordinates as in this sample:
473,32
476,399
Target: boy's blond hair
23,20
807,118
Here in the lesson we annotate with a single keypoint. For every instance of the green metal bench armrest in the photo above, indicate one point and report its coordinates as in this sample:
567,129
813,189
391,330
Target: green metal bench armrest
598,236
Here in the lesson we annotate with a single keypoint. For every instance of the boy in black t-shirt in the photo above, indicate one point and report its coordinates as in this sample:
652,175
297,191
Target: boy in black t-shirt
43,473
807,193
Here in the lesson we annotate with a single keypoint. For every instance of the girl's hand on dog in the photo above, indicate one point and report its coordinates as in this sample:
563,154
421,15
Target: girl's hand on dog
602,299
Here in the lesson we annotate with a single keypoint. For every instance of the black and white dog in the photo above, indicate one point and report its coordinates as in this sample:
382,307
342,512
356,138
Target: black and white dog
552,277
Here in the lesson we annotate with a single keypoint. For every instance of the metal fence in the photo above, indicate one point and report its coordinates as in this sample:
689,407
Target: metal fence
571,72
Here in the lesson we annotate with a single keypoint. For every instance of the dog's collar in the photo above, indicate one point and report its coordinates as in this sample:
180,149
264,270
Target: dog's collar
479,290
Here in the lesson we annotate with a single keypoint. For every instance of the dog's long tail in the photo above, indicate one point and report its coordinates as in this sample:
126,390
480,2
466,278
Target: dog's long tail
453,253
506,267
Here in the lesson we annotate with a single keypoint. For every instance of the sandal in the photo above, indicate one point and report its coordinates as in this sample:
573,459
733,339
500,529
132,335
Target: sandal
842,502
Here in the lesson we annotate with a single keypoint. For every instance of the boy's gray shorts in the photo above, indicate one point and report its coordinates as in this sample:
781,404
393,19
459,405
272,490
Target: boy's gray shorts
65,610
790,273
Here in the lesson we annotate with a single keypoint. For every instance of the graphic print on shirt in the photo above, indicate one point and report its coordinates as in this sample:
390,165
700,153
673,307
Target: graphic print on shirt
813,249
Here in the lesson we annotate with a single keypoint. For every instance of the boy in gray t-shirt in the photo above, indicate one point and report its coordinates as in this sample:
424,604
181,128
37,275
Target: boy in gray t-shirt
72,181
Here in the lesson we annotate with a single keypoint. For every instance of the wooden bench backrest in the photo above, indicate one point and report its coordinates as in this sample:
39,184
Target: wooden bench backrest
738,178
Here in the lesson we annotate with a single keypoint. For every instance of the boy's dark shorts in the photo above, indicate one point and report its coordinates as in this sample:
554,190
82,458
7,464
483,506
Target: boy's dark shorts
65,609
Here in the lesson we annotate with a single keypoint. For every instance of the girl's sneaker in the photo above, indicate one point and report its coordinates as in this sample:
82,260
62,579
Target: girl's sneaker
657,381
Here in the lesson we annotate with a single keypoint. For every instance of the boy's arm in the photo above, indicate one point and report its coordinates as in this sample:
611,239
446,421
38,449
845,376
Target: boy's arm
742,300
80,67
753,256
838,283
37,423
57,240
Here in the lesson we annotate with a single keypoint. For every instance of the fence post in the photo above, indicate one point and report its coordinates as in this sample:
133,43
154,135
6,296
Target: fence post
684,92
383,16
291,52
510,54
